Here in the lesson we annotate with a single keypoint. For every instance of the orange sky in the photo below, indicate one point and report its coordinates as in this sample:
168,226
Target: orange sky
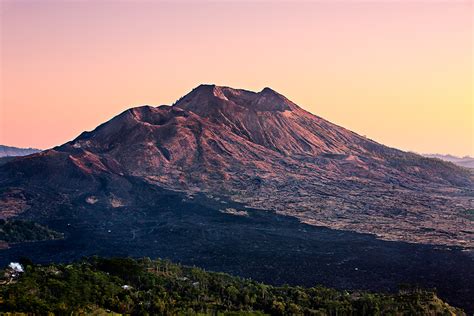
398,72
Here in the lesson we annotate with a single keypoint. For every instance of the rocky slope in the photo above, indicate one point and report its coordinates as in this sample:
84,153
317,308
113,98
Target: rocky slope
259,149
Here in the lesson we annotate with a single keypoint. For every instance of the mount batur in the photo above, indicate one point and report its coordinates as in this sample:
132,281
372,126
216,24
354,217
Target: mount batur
249,183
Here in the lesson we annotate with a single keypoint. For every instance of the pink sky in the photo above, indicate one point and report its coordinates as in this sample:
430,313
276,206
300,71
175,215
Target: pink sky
399,72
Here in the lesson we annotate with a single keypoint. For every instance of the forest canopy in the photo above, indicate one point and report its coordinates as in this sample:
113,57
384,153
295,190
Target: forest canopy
145,286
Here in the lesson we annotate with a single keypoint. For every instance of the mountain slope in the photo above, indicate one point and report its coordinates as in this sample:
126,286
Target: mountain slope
259,149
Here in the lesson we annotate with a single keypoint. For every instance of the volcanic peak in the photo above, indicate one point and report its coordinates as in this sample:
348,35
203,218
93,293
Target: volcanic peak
207,98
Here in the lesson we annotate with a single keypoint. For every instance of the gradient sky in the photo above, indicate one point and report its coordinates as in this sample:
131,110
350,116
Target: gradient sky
399,72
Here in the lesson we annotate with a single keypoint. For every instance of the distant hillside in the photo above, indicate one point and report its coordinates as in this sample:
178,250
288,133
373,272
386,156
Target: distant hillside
8,151
466,161
142,287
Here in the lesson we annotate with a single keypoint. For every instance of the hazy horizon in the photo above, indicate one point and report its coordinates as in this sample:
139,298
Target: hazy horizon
399,73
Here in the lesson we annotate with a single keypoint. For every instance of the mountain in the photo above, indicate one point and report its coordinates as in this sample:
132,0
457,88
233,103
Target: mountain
251,184
8,151
259,149
466,161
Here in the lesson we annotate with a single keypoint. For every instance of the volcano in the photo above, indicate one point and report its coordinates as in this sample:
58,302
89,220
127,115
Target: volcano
250,184
256,148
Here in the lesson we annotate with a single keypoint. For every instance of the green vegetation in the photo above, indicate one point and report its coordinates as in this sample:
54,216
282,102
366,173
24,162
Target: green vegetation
19,231
158,287
470,214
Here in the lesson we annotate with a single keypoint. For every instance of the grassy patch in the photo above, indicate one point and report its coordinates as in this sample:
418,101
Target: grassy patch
470,214
21,231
